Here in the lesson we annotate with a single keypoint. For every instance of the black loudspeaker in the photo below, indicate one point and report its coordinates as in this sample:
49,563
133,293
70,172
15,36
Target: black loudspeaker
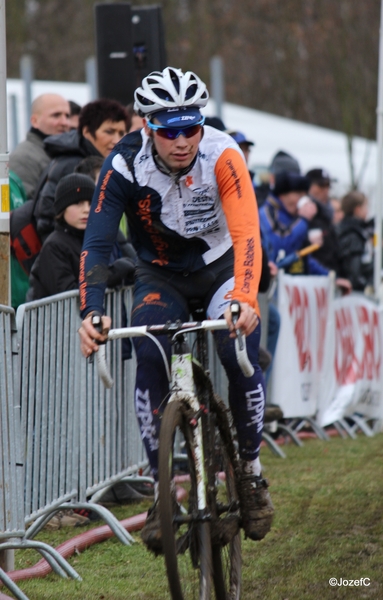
130,44
114,51
148,41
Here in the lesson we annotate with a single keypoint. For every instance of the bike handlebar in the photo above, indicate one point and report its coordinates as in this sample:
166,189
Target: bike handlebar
175,329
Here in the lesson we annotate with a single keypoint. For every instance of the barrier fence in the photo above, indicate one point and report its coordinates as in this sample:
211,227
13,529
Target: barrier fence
65,438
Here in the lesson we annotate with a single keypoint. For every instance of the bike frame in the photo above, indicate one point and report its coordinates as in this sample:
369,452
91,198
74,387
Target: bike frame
181,376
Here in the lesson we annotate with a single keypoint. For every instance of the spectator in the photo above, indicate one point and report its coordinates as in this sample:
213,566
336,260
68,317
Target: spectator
215,122
74,114
319,192
337,212
91,166
50,114
244,144
355,242
56,269
282,162
135,121
285,225
102,124
19,279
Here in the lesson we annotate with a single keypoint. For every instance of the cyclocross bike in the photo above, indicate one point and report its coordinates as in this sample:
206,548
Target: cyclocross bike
201,535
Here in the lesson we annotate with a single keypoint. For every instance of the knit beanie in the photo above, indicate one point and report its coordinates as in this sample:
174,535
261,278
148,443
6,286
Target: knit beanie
284,162
71,189
290,182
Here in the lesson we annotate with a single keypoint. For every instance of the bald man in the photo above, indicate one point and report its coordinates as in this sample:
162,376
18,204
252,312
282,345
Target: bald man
50,115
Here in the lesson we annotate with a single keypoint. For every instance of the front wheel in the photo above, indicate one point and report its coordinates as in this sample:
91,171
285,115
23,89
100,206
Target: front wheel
185,534
226,537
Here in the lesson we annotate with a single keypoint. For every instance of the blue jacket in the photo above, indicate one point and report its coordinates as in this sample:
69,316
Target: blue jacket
283,231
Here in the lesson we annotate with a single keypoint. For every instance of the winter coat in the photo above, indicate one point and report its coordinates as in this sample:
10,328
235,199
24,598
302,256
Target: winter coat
327,254
283,231
356,261
29,159
66,150
56,269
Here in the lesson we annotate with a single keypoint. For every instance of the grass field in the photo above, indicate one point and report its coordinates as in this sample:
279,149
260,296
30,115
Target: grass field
328,498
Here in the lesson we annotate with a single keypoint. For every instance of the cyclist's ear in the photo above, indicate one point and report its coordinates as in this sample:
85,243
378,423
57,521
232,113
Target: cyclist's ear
148,131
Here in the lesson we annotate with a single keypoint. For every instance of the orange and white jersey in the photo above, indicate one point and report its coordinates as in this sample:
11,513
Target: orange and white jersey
178,221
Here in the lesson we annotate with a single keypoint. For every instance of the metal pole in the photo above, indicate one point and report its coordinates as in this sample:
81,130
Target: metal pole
26,72
91,76
217,84
4,176
379,183
14,122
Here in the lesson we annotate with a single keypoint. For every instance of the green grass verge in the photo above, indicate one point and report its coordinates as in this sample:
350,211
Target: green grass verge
328,498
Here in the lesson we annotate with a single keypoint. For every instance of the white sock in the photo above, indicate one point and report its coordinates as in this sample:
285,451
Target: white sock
252,467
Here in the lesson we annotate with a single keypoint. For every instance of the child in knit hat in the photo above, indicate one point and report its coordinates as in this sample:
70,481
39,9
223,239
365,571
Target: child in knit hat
56,269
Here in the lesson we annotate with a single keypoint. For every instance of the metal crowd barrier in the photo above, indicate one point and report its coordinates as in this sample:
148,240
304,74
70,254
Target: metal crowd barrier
75,431
11,463
12,524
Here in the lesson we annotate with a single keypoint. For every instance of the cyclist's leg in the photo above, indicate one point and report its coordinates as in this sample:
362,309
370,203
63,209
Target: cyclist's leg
154,303
247,403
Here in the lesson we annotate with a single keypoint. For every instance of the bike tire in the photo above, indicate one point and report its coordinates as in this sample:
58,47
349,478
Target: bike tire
186,539
224,507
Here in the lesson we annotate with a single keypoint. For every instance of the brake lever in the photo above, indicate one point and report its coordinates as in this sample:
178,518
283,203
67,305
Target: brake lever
96,321
235,308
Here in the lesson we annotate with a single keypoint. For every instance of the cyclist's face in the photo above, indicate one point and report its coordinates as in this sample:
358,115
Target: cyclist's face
179,153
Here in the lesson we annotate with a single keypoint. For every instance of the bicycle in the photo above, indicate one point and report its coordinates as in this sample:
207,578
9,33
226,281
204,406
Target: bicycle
202,545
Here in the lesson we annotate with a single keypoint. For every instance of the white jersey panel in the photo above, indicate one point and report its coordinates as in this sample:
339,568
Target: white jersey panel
191,206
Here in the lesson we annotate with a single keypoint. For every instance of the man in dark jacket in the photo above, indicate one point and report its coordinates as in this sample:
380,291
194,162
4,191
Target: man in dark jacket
319,191
356,261
102,124
49,116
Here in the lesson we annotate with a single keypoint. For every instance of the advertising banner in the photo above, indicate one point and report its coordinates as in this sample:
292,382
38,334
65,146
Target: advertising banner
352,369
304,304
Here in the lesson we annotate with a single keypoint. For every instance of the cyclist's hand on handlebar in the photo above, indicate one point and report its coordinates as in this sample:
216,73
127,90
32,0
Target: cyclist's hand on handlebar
89,334
247,322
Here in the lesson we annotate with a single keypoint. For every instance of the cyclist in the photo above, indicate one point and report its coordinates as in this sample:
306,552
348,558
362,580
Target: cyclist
193,221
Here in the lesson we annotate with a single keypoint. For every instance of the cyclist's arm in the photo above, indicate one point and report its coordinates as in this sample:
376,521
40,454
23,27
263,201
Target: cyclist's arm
241,211
101,232
105,215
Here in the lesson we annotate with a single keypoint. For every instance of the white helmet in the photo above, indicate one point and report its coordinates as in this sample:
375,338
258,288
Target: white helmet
170,88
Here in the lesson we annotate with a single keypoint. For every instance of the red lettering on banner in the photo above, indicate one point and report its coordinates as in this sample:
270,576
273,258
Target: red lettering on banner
369,326
345,367
299,313
322,308
348,366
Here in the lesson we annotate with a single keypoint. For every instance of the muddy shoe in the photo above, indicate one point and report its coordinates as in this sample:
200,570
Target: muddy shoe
272,413
256,507
151,531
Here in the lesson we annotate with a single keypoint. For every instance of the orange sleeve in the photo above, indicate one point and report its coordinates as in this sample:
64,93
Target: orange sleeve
240,207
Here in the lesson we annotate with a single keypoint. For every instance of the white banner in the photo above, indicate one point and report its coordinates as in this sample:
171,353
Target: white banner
352,370
304,304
